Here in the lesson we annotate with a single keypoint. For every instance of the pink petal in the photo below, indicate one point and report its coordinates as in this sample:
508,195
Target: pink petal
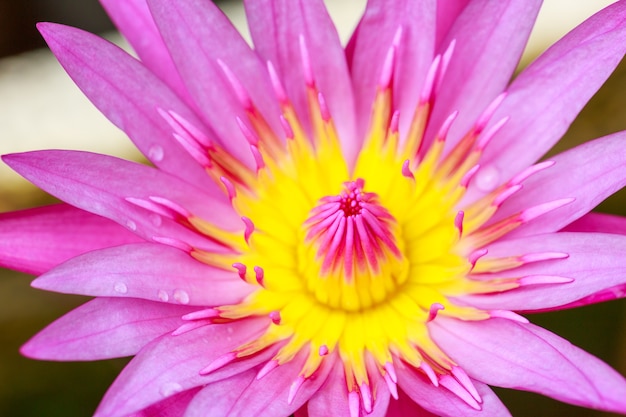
269,395
370,44
104,328
101,184
148,271
217,399
405,406
133,19
129,95
603,174
173,406
490,37
198,35
524,356
333,395
441,402
35,240
598,222
612,293
447,12
546,97
596,263
276,27
172,364
259,397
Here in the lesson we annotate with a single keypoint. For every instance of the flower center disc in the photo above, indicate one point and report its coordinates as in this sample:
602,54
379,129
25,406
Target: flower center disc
352,257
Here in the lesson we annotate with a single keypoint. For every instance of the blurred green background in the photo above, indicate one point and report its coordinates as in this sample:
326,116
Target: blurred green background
33,388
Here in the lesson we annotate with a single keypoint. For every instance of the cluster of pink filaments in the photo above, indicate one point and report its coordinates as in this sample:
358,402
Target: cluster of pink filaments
351,230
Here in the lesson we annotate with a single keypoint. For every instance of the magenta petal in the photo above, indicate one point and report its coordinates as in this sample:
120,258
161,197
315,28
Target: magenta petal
173,406
35,240
133,19
199,37
596,263
441,402
104,328
101,184
546,97
129,95
490,37
148,271
604,173
276,27
172,364
524,356
598,222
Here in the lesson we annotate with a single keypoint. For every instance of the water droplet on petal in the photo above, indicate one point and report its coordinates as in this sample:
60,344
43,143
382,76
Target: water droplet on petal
121,288
230,330
487,178
170,388
156,219
181,296
162,294
131,225
155,153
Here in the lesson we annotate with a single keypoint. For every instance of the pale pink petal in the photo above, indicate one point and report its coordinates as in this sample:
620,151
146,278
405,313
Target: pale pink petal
148,271
546,97
490,37
596,263
104,328
441,402
35,240
588,173
133,19
199,37
598,222
172,364
276,27
173,406
509,354
102,184
129,95
371,43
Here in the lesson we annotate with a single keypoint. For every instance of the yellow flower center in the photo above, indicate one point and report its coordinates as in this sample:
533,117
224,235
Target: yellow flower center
355,261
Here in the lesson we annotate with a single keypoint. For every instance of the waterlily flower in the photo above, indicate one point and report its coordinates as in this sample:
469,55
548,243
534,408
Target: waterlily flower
327,230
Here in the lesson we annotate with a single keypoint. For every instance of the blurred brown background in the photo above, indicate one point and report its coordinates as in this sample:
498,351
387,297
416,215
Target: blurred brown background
31,388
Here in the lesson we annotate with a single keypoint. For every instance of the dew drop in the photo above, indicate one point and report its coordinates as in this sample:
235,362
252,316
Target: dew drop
487,178
170,388
155,153
162,294
181,296
156,219
121,288
230,330
131,225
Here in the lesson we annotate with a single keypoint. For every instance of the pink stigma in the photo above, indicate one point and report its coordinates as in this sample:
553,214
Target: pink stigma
352,231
